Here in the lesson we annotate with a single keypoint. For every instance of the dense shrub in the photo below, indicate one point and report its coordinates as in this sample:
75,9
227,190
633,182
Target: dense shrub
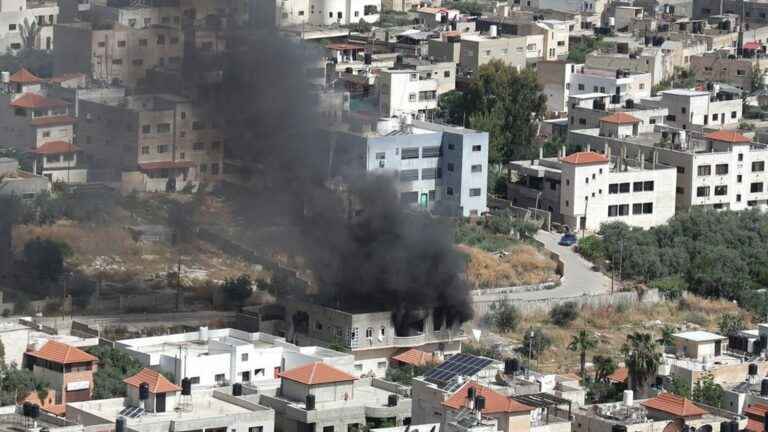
563,314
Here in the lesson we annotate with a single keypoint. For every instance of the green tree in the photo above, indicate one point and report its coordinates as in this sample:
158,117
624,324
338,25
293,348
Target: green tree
729,324
504,316
16,383
468,7
582,342
670,287
46,258
706,391
563,314
534,343
2,352
679,387
114,366
666,336
9,217
237,291
642,358
592,248
604,366
405,374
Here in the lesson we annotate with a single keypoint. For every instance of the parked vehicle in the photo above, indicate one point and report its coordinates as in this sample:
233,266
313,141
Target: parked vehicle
568,240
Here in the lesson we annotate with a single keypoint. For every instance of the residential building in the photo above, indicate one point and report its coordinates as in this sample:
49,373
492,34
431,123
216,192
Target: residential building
401,5
720,169
23,184
440,168
67,369
11,416
625,16
697,109
164,407
151,142
699,345
370,335
555,80
327,12
621,85
572,6
586,189
586,110
328,399
478,50
227,356
116,53
432,17
649,60
413,88
555,32
651,414
18,335
18,15
720,68
755,10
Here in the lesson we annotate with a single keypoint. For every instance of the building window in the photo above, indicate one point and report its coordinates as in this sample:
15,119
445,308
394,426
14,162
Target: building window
477,168
623,187
163,127
741,155
679,190
477,148
613,211
704,170
624,210
198,146
681,170
738,197
369,332
412,97
738,178
683,110
758,166
449,191
143,42
637,187
475,192
162,148
702,191
431,152
244,357
567,203
409,153
721,169
214,169
353,335
121,44
219,378
721,190
146,129
733,114
450,167
637,209
145,150
647,208
194,380
613,188
756,187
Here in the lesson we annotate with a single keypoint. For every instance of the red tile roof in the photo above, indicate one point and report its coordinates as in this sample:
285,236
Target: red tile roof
52,121
415,357
316,373
752,45
727,136
150,166
45,405
620,118
756,411
619,376
674,405
60,353
55,147
585,158
754,425
24,76
157,383
34,100
494,402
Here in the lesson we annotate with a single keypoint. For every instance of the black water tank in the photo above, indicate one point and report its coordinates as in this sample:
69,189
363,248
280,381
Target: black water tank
34,411
120,424
659,381
143,391
25,408
615,99
237,389
471,393
392,400
618,428
479,403
734,426
630,103
310,402
752,369
186,387
764,387
724,426
765,422
368,58
619,73
508,367
515,364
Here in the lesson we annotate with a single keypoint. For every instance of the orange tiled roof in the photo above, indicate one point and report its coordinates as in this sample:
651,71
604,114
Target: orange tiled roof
415,357
55,147
620,118
675,405
52,121
316,373
61,353
45,405
585,158
157,383
756,411
727,136
34,100
494,402
24,76
619,376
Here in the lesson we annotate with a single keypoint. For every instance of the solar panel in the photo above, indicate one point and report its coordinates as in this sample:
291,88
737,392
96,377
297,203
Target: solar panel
125,410
458,365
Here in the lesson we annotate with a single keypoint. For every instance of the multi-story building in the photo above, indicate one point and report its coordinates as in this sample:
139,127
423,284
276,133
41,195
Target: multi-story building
571,6
650,60
17,16
585,112
720,169
439,168
720,68
322,397
621,85
586,189
117,53
477,50
555,80
153,142
413,88
555,32
698,109
164,407
327,12
227,356
68,370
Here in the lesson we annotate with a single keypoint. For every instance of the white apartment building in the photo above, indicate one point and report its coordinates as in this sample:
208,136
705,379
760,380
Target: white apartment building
414,88
327,12
597,188
16,14
572,6
720,169
555,80
226,356
621,85
696,109
585,112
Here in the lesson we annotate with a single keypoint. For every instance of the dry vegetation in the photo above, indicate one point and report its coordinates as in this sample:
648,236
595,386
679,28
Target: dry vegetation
525,265
611,325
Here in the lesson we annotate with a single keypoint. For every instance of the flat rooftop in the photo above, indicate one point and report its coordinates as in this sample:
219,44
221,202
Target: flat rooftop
365,393
198,343
685,92
699,336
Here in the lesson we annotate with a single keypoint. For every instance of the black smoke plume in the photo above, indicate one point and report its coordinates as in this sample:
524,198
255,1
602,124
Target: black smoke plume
365,251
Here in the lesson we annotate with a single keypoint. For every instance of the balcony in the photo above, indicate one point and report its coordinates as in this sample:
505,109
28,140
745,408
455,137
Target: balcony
409,341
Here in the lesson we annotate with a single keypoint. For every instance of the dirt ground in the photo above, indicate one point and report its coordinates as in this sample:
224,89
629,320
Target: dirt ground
524,265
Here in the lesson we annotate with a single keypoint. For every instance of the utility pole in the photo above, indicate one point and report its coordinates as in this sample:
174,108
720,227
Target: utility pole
178,283
621,256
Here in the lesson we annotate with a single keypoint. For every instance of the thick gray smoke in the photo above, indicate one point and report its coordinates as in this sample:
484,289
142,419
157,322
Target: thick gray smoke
365,251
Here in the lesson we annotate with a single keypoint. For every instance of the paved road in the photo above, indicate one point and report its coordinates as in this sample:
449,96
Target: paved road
579,277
